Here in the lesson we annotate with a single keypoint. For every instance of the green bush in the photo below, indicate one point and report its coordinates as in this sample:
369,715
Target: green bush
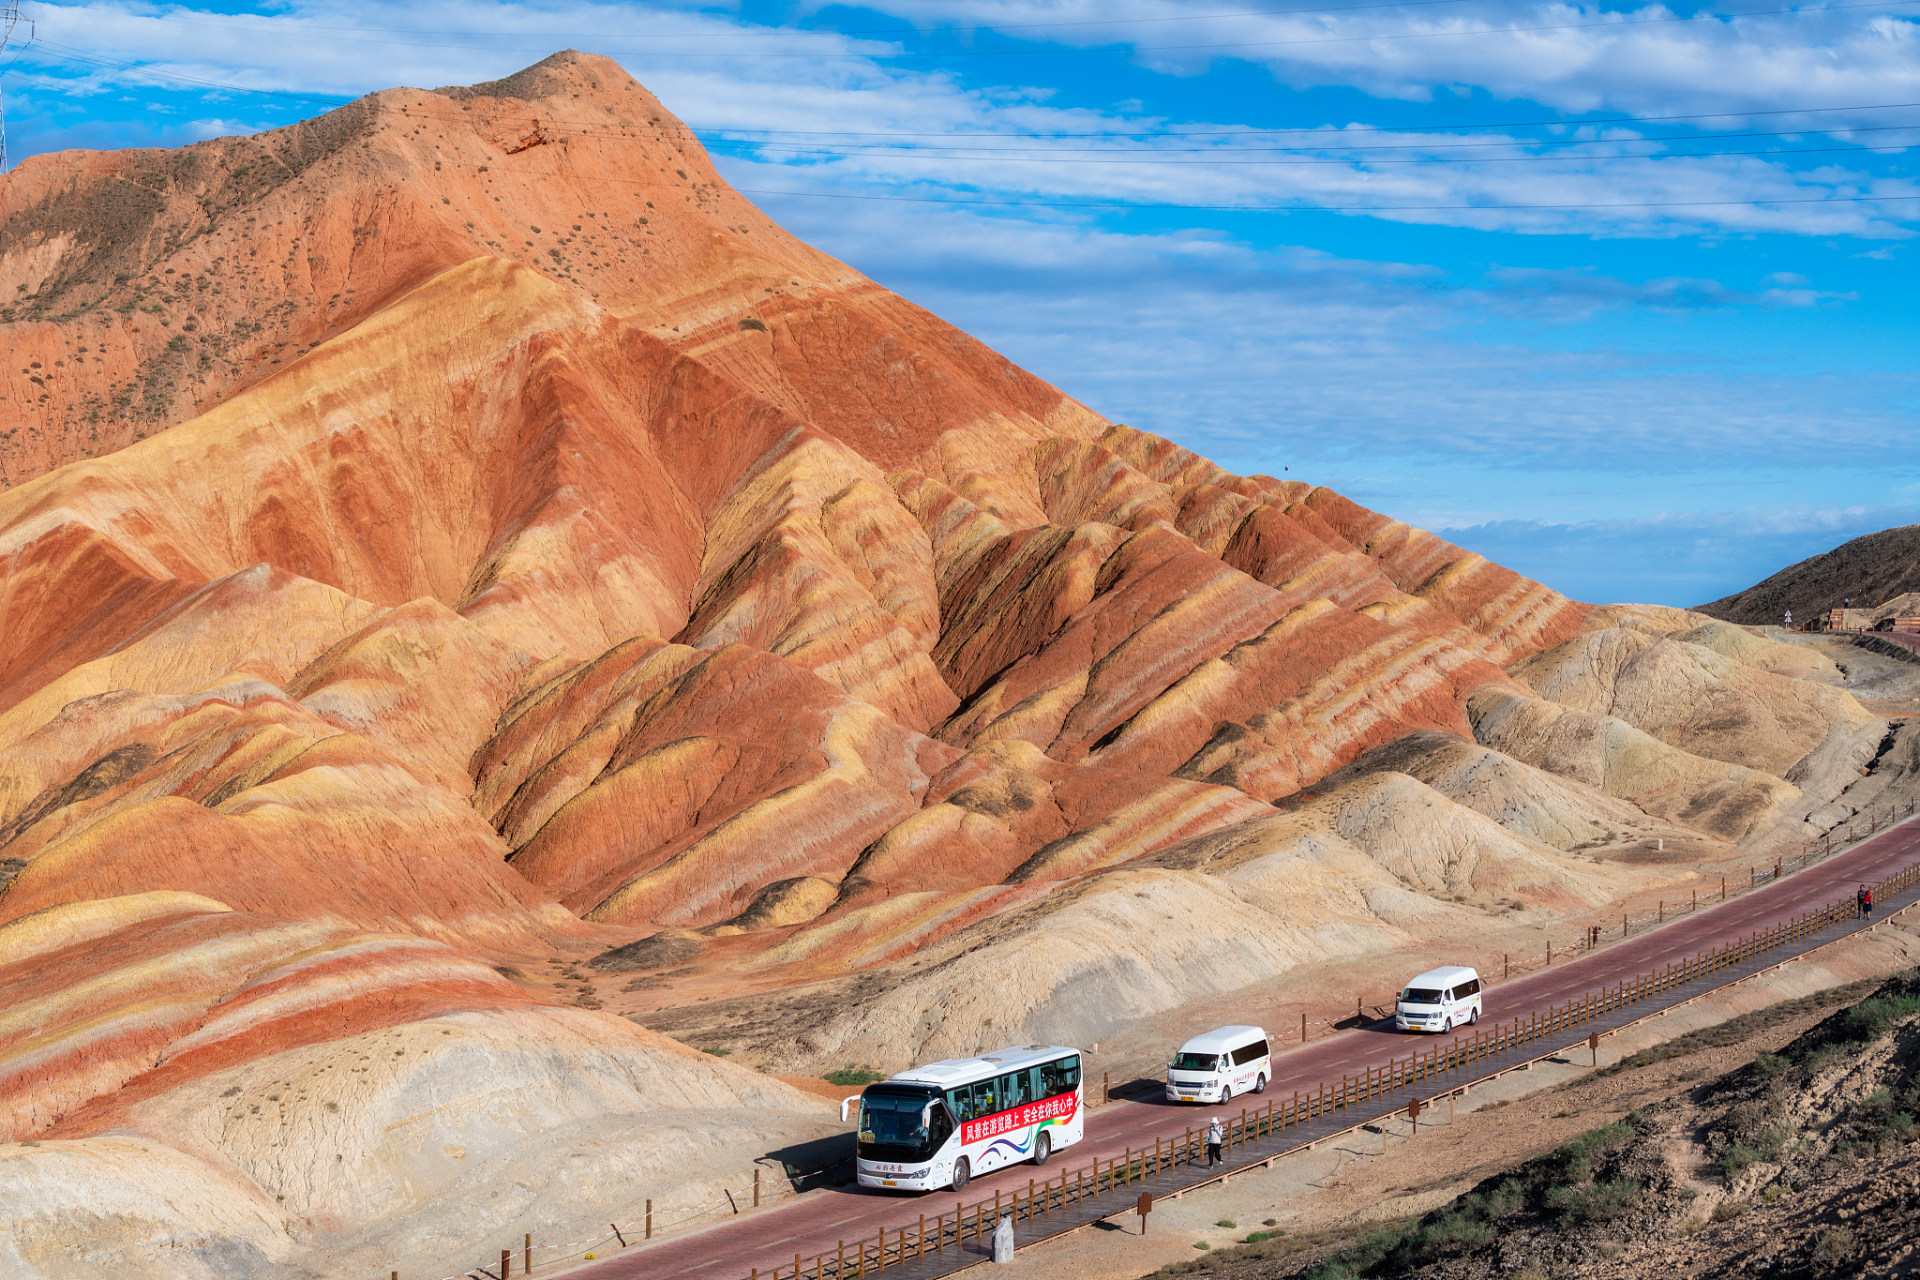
1595,1202
1577,1157
850,1076
1773,1140
1869,1020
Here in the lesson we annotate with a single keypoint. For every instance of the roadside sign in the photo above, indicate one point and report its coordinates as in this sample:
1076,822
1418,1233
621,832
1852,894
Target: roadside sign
1144,1206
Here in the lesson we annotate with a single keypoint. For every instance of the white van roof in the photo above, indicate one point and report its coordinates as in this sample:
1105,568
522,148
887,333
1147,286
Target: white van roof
1451,975
1221,1039
955,1071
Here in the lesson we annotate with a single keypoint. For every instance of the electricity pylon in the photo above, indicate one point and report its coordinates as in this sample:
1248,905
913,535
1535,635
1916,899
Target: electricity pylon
9,19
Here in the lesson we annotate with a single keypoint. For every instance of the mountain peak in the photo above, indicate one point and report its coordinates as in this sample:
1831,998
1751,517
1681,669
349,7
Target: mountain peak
141,288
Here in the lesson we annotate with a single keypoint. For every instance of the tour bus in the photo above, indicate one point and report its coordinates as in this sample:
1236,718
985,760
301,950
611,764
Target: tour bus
941,1124
1439,1000
1215,1066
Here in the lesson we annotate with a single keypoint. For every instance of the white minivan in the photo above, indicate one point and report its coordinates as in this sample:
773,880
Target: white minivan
1215,1066
1439,1000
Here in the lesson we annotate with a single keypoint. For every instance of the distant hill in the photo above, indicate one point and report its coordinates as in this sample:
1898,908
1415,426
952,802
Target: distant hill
1871,568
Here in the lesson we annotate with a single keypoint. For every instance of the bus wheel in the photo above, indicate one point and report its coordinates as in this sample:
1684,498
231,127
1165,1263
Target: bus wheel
1260,1083
961,1173
1042,1147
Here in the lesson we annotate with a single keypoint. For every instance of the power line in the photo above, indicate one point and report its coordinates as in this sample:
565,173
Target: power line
1562,122
1223,154
1131,49
713,138
70,53
901,32
9,22
1356,208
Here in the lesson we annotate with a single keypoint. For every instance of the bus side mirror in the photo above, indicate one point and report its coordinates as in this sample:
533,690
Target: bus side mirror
926,1115
844,1104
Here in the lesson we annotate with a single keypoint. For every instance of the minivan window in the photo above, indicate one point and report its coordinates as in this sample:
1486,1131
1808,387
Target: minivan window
1252,1053
1420,995
1196,1062
1471,987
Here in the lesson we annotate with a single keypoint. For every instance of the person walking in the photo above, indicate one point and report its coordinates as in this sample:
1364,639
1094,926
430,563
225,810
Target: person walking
1214,1136
1865,900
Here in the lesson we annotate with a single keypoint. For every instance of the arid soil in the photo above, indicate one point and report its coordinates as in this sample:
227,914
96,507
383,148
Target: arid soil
1779,1143
470,576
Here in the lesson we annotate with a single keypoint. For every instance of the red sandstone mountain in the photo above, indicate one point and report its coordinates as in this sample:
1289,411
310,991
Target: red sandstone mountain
461,531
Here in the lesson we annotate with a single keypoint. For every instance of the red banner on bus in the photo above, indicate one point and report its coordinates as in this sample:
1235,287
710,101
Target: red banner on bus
1059,1107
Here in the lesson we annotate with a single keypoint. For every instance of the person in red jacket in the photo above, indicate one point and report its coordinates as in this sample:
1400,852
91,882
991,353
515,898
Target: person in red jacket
1865,899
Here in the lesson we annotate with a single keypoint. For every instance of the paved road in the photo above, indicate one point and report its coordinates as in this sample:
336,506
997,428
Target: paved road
818,1222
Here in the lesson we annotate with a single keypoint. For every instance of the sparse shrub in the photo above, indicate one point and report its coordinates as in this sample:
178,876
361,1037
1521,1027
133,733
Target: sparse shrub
1835,1247
1728,1210
1228,1223
851,1076
1596,1202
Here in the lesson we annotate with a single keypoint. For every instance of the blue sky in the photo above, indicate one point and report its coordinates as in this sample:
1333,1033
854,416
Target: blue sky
1621,295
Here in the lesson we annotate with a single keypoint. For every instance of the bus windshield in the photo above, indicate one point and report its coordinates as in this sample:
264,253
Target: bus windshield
895,1121
901,1124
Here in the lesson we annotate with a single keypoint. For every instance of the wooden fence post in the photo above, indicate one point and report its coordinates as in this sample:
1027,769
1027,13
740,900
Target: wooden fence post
649,1219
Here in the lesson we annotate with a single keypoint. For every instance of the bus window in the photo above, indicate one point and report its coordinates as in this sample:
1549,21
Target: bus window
1050,1079
1069,1069
960,1101
1015,1090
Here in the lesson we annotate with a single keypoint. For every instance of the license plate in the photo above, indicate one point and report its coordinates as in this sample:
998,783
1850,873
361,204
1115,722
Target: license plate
888,1182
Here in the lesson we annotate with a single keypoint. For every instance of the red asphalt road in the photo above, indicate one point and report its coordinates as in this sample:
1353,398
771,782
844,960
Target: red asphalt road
818,1222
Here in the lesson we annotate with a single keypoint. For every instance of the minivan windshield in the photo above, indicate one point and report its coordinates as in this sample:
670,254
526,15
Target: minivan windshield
1420,995
1196,1062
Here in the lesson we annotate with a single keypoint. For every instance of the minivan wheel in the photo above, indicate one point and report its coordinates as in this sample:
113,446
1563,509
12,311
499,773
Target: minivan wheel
961,1173
1473,1018
1042,1147
1260,1083
1446,1028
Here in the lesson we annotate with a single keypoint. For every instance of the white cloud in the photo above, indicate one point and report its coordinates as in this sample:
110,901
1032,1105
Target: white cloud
1570,56
726,75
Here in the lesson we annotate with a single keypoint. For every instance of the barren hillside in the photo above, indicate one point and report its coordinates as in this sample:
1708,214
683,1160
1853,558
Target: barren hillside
459,539
1868,570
